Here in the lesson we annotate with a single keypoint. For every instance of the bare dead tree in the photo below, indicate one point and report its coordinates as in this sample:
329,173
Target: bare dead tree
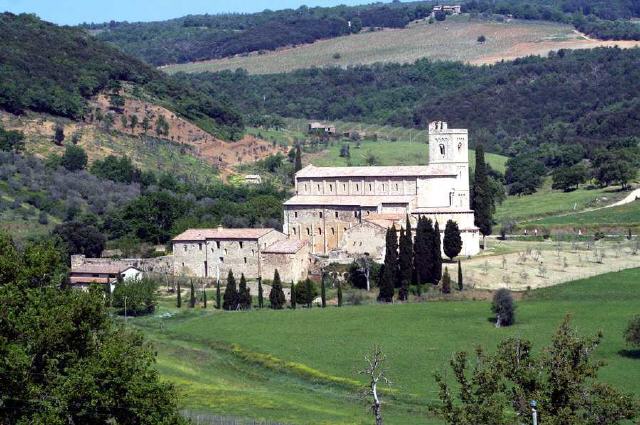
376,373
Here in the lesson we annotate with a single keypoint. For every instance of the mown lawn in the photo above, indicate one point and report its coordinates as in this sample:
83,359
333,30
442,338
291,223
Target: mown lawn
624,215
299,366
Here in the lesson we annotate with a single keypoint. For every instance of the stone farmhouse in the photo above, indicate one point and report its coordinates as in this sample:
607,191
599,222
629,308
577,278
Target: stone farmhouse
84,275
453,9
347,209
211,253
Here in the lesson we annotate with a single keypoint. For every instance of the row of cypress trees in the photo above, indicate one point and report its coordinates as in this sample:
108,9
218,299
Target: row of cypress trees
416,259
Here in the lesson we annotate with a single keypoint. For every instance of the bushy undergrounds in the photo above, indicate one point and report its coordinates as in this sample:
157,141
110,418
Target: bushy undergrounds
298,366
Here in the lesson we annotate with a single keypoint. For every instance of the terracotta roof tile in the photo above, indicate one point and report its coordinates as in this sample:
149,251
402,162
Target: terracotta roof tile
220,233
113,268
347,200
285,246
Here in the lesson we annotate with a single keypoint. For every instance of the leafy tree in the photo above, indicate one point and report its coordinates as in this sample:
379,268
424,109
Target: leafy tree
116,102
162,126
481,203
58,135
524,174
218,295
260,293
230,300
632,333
503,307
146,124
117,169
569,178
390,272
81,238
293,296
140,296
452,242
276,296
356,25
306,292
192,296
74,158
405,254
482,39
298,161
446,282
151,216
562,378
614,169
96,371
440,15
11,141
179,296
244,294
460,282
437,255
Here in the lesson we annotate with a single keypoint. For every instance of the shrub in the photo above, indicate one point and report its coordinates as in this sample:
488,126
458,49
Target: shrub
306,292
632,333
503,307
74,158
140,296
482,39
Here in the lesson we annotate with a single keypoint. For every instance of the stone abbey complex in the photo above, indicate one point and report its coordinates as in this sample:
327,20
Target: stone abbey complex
341,213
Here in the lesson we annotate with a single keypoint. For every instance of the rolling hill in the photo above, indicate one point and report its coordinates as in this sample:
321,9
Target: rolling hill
454,39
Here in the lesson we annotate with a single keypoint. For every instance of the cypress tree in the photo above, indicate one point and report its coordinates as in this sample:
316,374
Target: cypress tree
323,293
482,201
452,242
260,294
298,162
460,284
179,297
437,255
218,297
446,282
192,296
339,295
405,256
276,296
390,273
204,298
244,294
423,251
293,295
230,299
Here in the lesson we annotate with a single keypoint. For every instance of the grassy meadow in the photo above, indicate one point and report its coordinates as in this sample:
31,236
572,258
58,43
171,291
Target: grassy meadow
627,215
299,366
454,39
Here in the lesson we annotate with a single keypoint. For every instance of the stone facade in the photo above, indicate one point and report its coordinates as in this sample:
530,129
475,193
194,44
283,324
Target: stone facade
330,201
290,257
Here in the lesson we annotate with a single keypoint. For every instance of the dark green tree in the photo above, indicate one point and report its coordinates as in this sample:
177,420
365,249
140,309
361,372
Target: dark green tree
323,290
405,254
293,295
298,161
306,292
218,295
632,333
179,296
58,135
504,308
230,298
74,158
244,294
460,282
482,203
452,242
140,295
146,124
276,296
204,298
390,273
260,293
339,294
437,255
192,296
446,282
11,141
81,238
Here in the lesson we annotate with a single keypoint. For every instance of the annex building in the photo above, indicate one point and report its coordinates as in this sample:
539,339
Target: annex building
348,209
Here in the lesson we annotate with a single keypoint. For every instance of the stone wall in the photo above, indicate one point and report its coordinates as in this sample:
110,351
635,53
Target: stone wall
365,238
163,265
356,186
291,267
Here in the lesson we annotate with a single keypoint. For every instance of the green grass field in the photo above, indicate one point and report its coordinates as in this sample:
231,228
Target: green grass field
389,153
624,215
298,366
454,39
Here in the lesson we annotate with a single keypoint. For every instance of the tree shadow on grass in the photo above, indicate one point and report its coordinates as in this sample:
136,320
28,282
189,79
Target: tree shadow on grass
631,354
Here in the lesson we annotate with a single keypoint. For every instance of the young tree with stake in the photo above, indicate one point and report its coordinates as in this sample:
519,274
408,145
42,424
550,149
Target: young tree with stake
376,374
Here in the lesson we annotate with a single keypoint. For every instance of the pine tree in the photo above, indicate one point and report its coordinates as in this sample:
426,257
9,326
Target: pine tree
405,256
460,284
260,294
323,292
482,202
389,274
298,162
230,299
452,242
244,294
446,282
218,297
276,296
437,255
192,296
179,298
339,295
293,295
204,298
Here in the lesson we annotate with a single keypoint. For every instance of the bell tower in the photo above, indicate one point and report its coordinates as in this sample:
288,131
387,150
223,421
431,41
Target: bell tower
449,148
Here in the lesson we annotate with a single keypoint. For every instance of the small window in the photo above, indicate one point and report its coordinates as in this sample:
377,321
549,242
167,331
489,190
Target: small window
295,214
225,251
336,214
185,247
305,187
397,186
240,244
218,244
357,187
355,214
320,214
222,259
294,231
319,231
330,188
308,232
200,246
318,188
333,231
441,149
253,252
344,186
344,229
245,260
370,187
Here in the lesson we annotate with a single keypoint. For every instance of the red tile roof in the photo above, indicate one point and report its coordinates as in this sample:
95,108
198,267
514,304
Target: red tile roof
349,200
285,246
220,233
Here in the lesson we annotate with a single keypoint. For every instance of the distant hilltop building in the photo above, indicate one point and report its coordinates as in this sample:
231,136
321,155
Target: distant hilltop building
348,209
449,9
317,127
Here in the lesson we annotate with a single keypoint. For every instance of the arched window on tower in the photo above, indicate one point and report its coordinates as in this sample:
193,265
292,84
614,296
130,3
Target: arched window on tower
441,149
